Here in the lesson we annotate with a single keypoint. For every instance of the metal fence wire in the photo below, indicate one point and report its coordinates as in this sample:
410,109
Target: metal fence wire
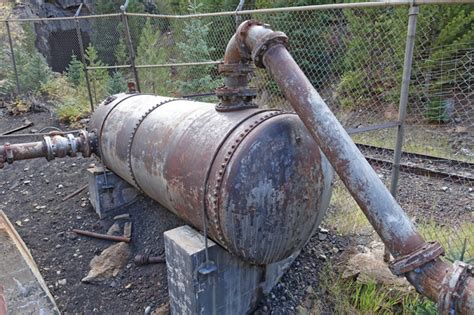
353,54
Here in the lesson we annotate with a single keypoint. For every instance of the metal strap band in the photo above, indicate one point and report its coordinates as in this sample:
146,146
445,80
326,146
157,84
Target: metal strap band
132,136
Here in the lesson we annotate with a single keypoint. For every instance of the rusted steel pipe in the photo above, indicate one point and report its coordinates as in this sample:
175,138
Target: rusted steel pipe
148,260
103,236
428,272
53,146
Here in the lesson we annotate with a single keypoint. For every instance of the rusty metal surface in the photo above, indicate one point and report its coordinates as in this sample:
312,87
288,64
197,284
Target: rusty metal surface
450,287
386,216
147,259
173,150
403,264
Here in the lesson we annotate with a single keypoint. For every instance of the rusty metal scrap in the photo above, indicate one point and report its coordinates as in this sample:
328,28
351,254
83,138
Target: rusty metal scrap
24,126
103,236
147,259
76,192
386,216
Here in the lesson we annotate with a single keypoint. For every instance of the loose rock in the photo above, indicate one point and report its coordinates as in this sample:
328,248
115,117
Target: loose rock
109,263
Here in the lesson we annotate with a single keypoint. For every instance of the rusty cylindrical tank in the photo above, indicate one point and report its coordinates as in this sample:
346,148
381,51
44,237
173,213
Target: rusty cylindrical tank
256,173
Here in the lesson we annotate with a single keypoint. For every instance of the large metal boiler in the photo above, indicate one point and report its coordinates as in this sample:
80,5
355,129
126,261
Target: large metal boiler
255,174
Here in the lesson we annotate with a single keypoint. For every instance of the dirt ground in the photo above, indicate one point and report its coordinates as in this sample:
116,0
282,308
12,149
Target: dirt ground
31,194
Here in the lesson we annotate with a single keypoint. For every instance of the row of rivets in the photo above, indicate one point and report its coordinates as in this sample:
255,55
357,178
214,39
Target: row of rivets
132,136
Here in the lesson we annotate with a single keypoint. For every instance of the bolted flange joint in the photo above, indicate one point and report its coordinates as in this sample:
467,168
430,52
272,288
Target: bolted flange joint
428,252
265,43
235,94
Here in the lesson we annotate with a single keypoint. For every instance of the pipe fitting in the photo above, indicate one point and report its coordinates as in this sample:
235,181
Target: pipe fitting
54,145
265,43
452,286
427,253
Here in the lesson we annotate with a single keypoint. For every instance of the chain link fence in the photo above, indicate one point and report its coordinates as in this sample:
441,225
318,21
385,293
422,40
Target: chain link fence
353,55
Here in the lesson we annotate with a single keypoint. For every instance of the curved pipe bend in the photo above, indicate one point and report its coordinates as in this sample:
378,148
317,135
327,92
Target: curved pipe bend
452,286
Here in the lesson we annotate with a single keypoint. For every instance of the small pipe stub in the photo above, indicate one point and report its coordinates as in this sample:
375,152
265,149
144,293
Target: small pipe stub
429,252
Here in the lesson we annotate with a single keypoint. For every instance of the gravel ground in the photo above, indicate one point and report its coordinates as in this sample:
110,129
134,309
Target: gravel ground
31,195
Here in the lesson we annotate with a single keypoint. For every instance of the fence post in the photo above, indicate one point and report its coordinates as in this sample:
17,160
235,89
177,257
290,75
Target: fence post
83,56
402,107
13,58
402,110
128,37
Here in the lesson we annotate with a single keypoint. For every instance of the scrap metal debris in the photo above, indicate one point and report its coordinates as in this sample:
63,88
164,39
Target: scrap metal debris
24,126
103,236
147,259
76,192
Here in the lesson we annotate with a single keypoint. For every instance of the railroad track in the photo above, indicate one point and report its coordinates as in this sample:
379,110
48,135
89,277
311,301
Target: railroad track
452,170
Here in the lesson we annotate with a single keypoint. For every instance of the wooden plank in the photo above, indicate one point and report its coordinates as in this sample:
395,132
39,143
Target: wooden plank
25,291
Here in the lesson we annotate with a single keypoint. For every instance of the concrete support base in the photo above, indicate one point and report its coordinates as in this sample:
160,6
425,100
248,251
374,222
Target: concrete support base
108,192
234,288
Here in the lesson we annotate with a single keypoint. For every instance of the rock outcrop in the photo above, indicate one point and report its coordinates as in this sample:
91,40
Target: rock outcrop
56,39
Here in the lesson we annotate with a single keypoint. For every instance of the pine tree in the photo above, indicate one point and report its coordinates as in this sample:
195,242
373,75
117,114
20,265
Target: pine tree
107,32
195,48
37,72
116,83
75,71
121,53
98,77
151,51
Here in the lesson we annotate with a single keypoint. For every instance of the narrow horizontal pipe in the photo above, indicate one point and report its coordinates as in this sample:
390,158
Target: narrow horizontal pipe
371,4
181,64
109,67
390,124
72,18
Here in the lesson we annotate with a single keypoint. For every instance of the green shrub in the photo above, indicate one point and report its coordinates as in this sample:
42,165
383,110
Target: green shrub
75,71
116,83
194,47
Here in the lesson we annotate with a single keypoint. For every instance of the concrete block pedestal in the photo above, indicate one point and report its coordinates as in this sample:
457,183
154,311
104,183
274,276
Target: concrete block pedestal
234,288
108,192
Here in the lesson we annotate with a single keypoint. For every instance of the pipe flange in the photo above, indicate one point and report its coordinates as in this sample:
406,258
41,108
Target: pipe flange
49,148
232,99
88,143
451,287
265,43
428,252
236,69
8,154
72,145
